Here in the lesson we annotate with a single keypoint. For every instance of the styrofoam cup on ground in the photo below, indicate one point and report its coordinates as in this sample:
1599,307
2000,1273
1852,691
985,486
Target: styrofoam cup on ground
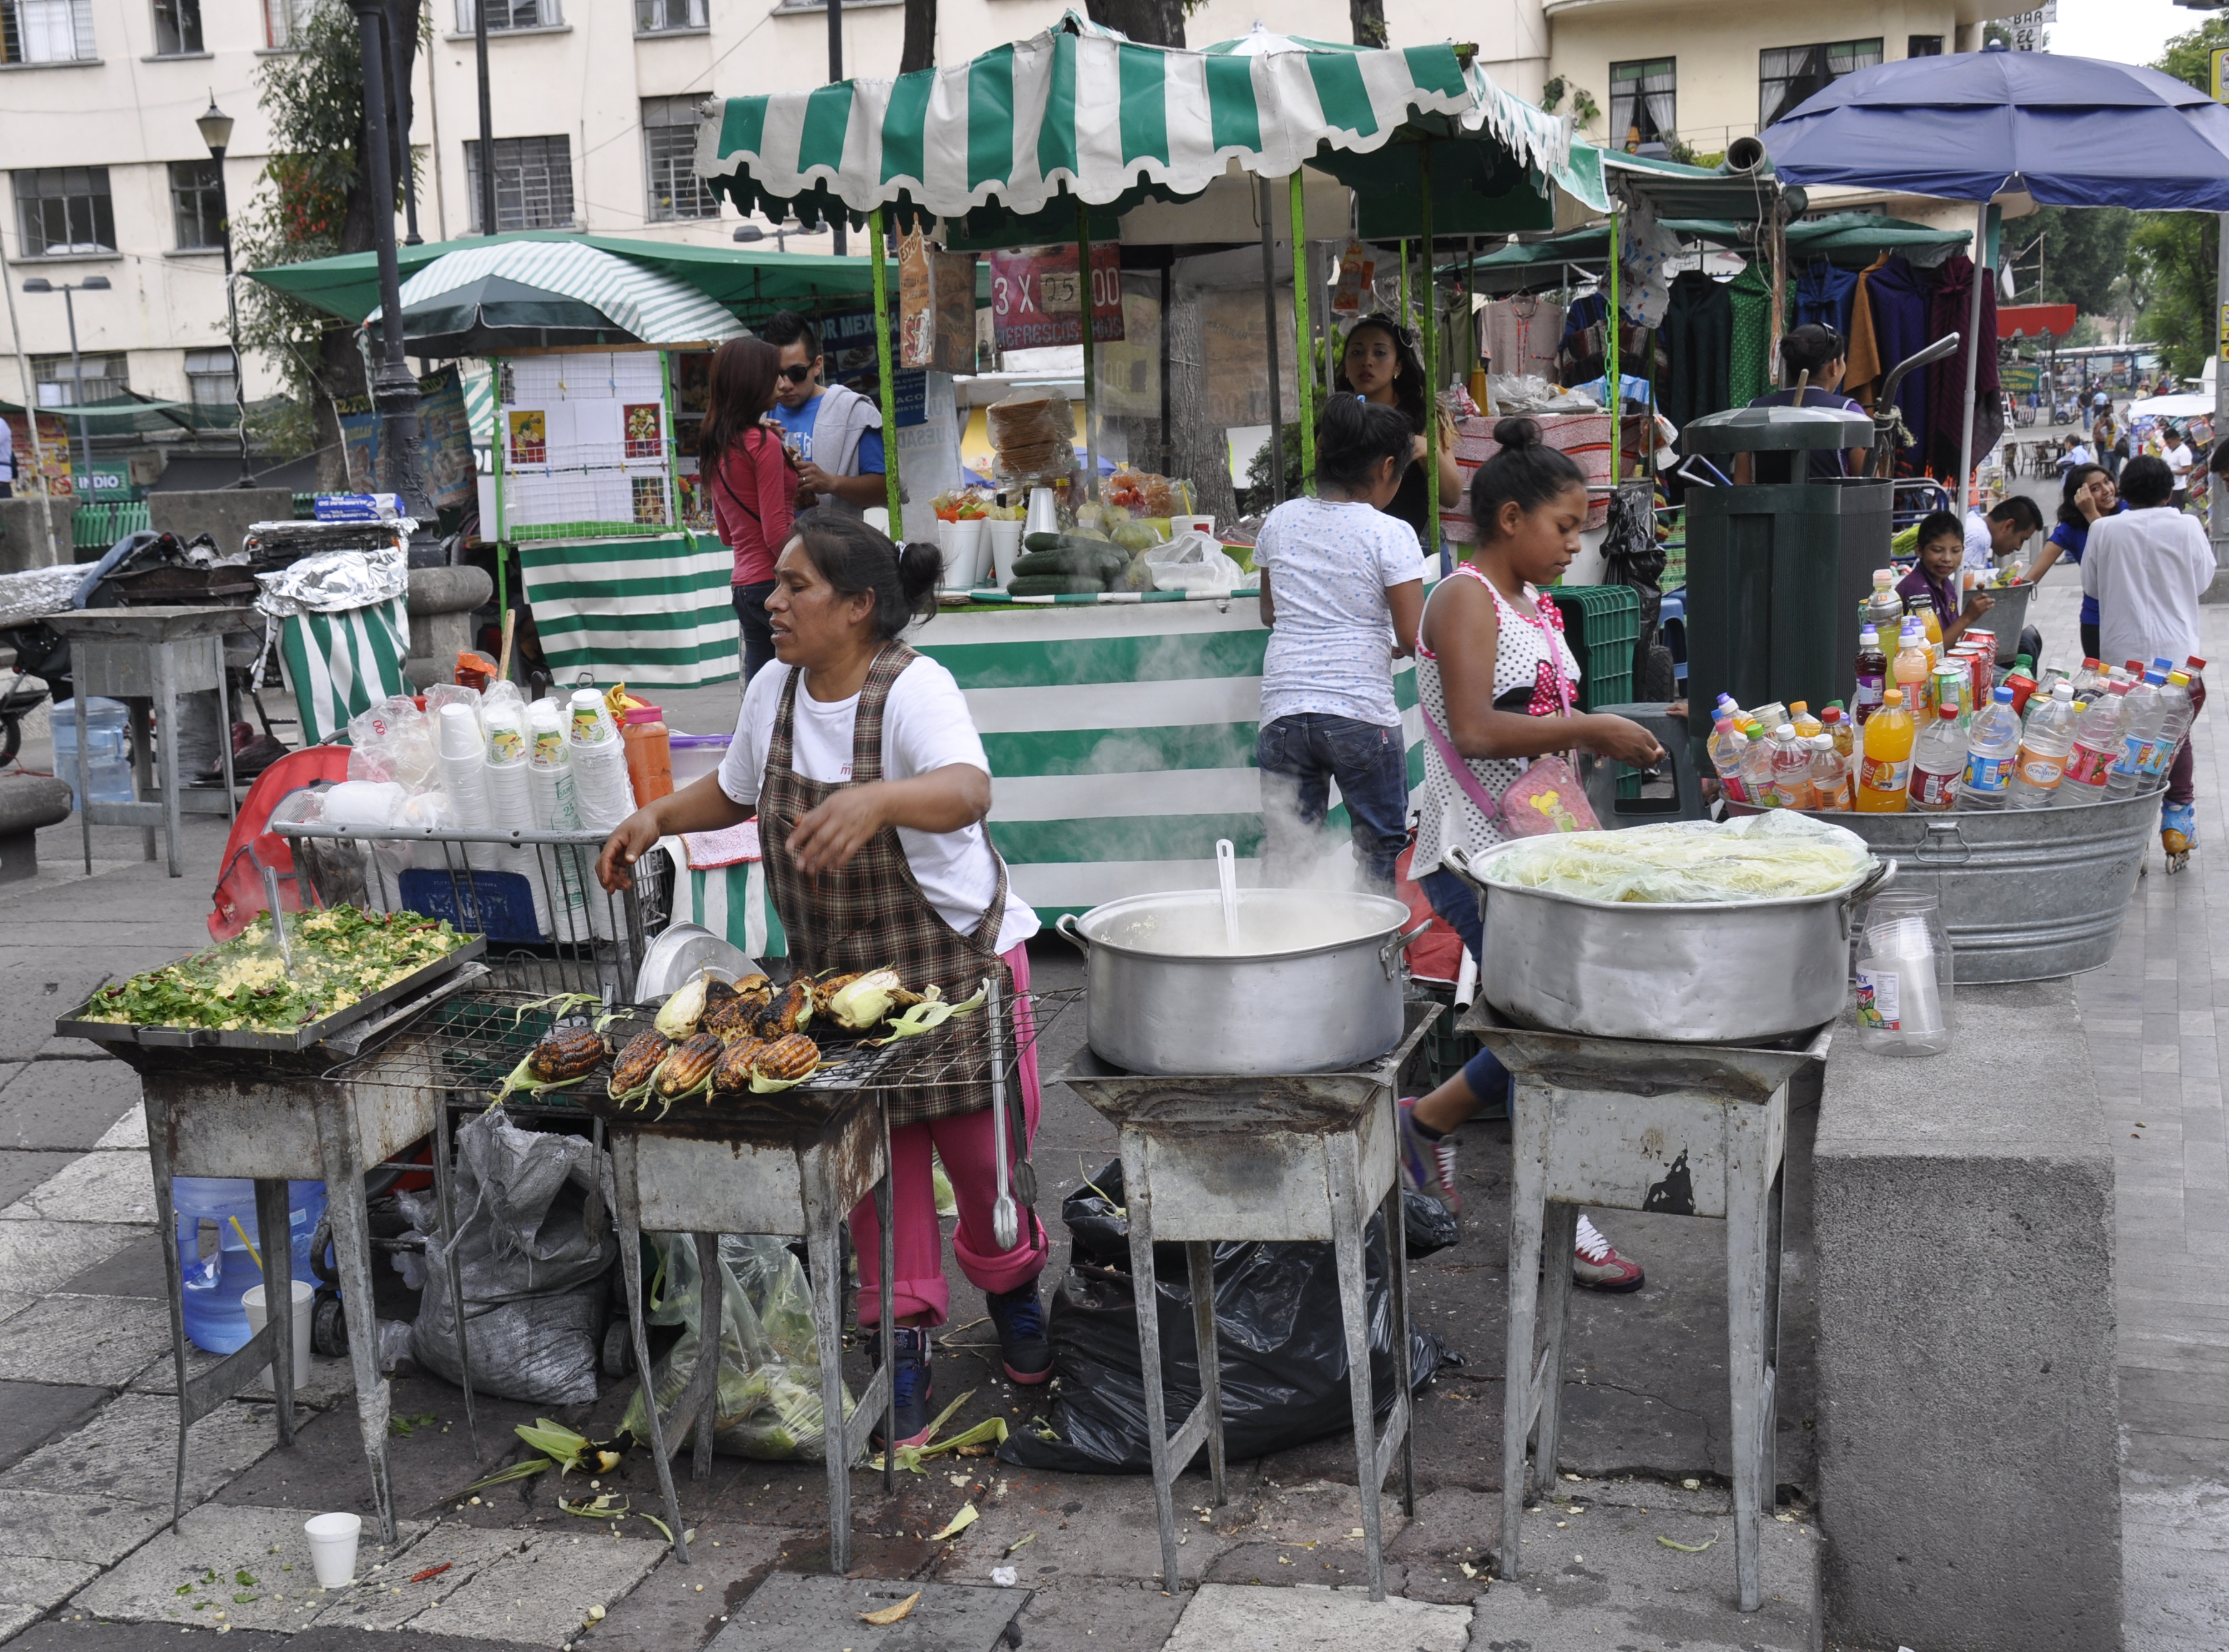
305,1296
1006,540
332,1547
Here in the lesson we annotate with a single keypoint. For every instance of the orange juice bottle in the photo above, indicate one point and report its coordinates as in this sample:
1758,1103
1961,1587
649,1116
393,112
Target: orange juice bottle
1886,769
1924,611
1909,670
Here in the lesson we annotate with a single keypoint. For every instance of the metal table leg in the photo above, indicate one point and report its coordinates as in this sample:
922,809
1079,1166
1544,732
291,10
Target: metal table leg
825,1246
1347,1218
166,1218
84,784
1559,1231
140,725
1521,1382
274,1232
1199,1268
628,1207
444,1194
224,729
885,1213
704,1380
1751,1281
338,1146
166,704
1397,1255
1137,1192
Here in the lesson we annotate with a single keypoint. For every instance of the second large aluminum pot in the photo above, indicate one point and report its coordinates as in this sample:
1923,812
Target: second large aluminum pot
1699,972
1315,986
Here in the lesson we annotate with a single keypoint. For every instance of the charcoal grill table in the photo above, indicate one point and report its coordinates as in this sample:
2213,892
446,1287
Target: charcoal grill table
1640,1124
1282,1156
274,1115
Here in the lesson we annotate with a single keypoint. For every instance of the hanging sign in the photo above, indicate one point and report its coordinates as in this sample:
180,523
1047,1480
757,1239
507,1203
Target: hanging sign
1036,297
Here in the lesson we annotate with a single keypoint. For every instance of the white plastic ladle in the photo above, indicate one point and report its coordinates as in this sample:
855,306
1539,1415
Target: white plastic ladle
1226,874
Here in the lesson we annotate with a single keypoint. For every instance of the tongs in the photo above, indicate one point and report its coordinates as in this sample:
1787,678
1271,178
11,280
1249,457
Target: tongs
278,918
1015,1171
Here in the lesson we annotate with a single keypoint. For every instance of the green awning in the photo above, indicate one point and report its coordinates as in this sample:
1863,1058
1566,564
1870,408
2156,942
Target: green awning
492,298
1852,237
131,414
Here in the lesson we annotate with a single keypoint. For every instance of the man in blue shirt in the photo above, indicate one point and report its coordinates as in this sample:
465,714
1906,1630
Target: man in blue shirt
836,432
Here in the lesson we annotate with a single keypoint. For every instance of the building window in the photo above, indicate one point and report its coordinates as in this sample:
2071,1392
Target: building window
64,209
511,14
46,31
657,16
1923,46
286,22
177,28
533,181
669,146
197,204
1643,102
212,381
1786,75
57,380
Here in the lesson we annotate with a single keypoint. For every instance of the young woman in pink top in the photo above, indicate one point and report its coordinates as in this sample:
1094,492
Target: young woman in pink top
752,481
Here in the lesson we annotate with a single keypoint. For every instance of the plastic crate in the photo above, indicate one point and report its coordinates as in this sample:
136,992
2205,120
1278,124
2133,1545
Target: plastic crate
1603,623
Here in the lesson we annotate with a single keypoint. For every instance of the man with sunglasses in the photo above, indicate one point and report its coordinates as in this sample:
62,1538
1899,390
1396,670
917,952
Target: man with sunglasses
836,432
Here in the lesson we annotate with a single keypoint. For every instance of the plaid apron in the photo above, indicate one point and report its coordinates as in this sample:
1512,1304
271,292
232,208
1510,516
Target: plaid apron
871,914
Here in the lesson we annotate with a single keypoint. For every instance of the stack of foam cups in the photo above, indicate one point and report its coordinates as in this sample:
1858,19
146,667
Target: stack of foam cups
462,750
602,795
510,807
549,797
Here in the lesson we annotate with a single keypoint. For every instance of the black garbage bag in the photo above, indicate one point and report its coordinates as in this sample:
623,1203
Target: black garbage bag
1430,1225
1279,1340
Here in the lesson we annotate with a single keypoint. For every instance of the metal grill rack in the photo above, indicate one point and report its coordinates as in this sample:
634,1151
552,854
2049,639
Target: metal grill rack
533,895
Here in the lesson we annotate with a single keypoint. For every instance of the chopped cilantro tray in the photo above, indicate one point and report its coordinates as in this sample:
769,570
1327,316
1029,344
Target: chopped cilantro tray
346,962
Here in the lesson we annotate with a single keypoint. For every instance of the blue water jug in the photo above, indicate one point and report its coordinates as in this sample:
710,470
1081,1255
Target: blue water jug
213,1285
107,749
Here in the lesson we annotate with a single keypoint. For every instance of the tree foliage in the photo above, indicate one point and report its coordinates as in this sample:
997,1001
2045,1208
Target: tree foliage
2171,255
2085,251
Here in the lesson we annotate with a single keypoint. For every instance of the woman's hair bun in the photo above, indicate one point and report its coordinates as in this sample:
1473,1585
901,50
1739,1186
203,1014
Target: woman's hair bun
920,566
1517,432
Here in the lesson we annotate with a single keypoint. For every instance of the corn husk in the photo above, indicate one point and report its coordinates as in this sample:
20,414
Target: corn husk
864,1002
679,1016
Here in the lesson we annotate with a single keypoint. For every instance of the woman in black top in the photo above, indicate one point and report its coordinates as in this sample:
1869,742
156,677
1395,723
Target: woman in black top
1379,363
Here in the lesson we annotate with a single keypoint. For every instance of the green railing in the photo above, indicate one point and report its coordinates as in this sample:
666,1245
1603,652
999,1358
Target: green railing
96,527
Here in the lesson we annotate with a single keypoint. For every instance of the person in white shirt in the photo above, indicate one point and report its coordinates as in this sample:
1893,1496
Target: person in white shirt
871,787
2010,525
2149,568
2179,460
1342,591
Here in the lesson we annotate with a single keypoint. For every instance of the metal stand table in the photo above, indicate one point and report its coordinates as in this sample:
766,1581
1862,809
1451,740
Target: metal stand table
1641,1125
1277,1157
276,1117
147,658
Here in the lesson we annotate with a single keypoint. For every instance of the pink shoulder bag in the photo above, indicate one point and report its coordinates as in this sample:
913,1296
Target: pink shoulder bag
1547,797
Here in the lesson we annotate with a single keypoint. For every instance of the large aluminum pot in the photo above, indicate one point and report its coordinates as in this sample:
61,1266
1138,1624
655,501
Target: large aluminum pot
1315,986
1699,972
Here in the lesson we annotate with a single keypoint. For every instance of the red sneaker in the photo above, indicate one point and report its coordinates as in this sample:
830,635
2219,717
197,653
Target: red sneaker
1597,1264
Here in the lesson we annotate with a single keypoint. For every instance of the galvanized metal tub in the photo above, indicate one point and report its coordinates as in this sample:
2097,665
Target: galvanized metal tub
2027,893
2008,614
1691,972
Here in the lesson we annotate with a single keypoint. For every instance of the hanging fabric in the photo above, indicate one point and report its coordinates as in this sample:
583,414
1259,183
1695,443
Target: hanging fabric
1949,311
1749,367
1865,368
1899,295
1521,336
1697,337
1824,296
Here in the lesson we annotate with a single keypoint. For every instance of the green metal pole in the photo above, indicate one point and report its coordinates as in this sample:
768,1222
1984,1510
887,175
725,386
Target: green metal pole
1405,315
1084,297
1431,325
1616,400
1304,354
889,395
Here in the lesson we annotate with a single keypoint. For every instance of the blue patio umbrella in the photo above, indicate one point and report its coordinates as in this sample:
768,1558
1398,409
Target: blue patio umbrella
2068,131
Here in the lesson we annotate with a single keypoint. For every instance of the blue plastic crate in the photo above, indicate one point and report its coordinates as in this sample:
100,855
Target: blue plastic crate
499,905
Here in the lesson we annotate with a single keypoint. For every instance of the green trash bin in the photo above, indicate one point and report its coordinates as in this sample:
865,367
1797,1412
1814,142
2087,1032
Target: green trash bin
1776,570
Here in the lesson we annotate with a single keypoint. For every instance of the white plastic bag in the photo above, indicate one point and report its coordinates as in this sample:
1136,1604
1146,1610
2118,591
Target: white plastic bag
1193,562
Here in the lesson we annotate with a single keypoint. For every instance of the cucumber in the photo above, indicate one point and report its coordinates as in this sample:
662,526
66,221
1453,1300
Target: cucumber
1042,542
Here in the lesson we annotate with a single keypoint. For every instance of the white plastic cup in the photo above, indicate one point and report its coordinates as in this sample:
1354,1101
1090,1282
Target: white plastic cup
591,719
1199,524
1045,515
304,1295
506,735
332,1547
1005,539
962,543
460,732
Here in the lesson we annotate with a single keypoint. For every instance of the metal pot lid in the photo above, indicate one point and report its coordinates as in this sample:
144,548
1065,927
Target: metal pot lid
679,953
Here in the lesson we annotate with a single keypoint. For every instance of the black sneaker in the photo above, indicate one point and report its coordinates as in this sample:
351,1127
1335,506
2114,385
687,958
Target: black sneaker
915,1396
1022,1345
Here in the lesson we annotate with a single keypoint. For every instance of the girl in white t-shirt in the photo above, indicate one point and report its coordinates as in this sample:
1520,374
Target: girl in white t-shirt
1349,585
870,785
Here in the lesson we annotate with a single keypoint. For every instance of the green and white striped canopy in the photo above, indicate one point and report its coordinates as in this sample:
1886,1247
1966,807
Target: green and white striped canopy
654,307
1079,110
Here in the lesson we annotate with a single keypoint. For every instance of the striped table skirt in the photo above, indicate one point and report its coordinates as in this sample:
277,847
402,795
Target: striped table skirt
640,611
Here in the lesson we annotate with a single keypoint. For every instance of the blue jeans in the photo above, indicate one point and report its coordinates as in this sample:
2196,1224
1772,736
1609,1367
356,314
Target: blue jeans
1299,757
756,626
1456,902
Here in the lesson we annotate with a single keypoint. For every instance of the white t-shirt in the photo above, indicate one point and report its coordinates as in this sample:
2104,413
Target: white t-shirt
2179,461
2148,570
1981,555
1330,565
925,727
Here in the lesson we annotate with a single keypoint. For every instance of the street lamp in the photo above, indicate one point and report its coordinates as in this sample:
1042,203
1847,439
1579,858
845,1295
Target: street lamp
394,391
782,231
67,289
216,131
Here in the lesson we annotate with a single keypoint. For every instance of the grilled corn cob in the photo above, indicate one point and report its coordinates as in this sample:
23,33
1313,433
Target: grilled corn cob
568,1052
631,1072
687,1067
755,989
788,1013
732,1071
733,1021
787,1061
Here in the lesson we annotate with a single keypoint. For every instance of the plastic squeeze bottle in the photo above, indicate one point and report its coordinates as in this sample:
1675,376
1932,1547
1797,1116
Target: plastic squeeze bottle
1991,750
1830,774
1873,675
2096,742
1938,758
1887,766
1727,748
2046,741
649,755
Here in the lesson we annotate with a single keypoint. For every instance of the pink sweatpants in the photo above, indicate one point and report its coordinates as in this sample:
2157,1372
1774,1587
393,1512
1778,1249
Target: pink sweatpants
966,1145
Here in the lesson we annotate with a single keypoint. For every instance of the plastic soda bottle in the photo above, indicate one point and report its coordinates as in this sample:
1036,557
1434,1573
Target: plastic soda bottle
1922,609
1830,774
1726,746
2140,731
1887,767
1992,747
2194,669
1800,717
2097,744
2021,680
2046,741
1911,666
1836,725
1938,758
2177,714
1884,606
1791,768
1757,771
2090,679
1873,675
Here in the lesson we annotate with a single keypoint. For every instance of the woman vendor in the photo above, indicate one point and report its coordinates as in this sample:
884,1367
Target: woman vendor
870,785
1379,363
